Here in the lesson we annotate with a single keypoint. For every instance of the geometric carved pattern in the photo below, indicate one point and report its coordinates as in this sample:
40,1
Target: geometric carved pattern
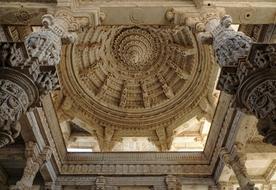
135,77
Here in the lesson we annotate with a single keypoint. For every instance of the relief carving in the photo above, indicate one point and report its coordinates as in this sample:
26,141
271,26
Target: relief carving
132,76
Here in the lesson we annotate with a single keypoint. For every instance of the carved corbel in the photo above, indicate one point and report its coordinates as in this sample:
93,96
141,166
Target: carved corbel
229,46
207,107
163,139
35,159
105,138
236,161
178,17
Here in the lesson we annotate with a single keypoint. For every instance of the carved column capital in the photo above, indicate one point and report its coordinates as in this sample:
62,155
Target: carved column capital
45,45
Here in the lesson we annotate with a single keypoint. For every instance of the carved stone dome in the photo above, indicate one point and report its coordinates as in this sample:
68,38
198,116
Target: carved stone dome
135,77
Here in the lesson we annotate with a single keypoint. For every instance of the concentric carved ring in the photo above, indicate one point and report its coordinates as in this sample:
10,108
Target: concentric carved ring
136,47
136,77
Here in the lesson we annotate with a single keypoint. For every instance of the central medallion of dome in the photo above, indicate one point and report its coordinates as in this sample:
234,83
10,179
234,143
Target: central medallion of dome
136,76
136,47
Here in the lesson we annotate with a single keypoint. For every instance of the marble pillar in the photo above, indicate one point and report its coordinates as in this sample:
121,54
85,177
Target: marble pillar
35,159
248,70
27,72
235,159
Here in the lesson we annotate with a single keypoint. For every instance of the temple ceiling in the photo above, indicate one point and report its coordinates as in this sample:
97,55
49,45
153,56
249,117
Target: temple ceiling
144,80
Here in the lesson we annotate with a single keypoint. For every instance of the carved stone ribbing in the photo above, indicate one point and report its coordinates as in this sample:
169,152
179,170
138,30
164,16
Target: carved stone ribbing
123,95
145,94
34,162
166,89
162,139
236,160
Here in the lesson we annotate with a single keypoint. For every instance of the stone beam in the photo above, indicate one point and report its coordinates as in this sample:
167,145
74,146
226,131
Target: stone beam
198,3
243,12
260,148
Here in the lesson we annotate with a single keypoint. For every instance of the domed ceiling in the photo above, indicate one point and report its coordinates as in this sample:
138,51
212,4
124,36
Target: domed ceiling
136,78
